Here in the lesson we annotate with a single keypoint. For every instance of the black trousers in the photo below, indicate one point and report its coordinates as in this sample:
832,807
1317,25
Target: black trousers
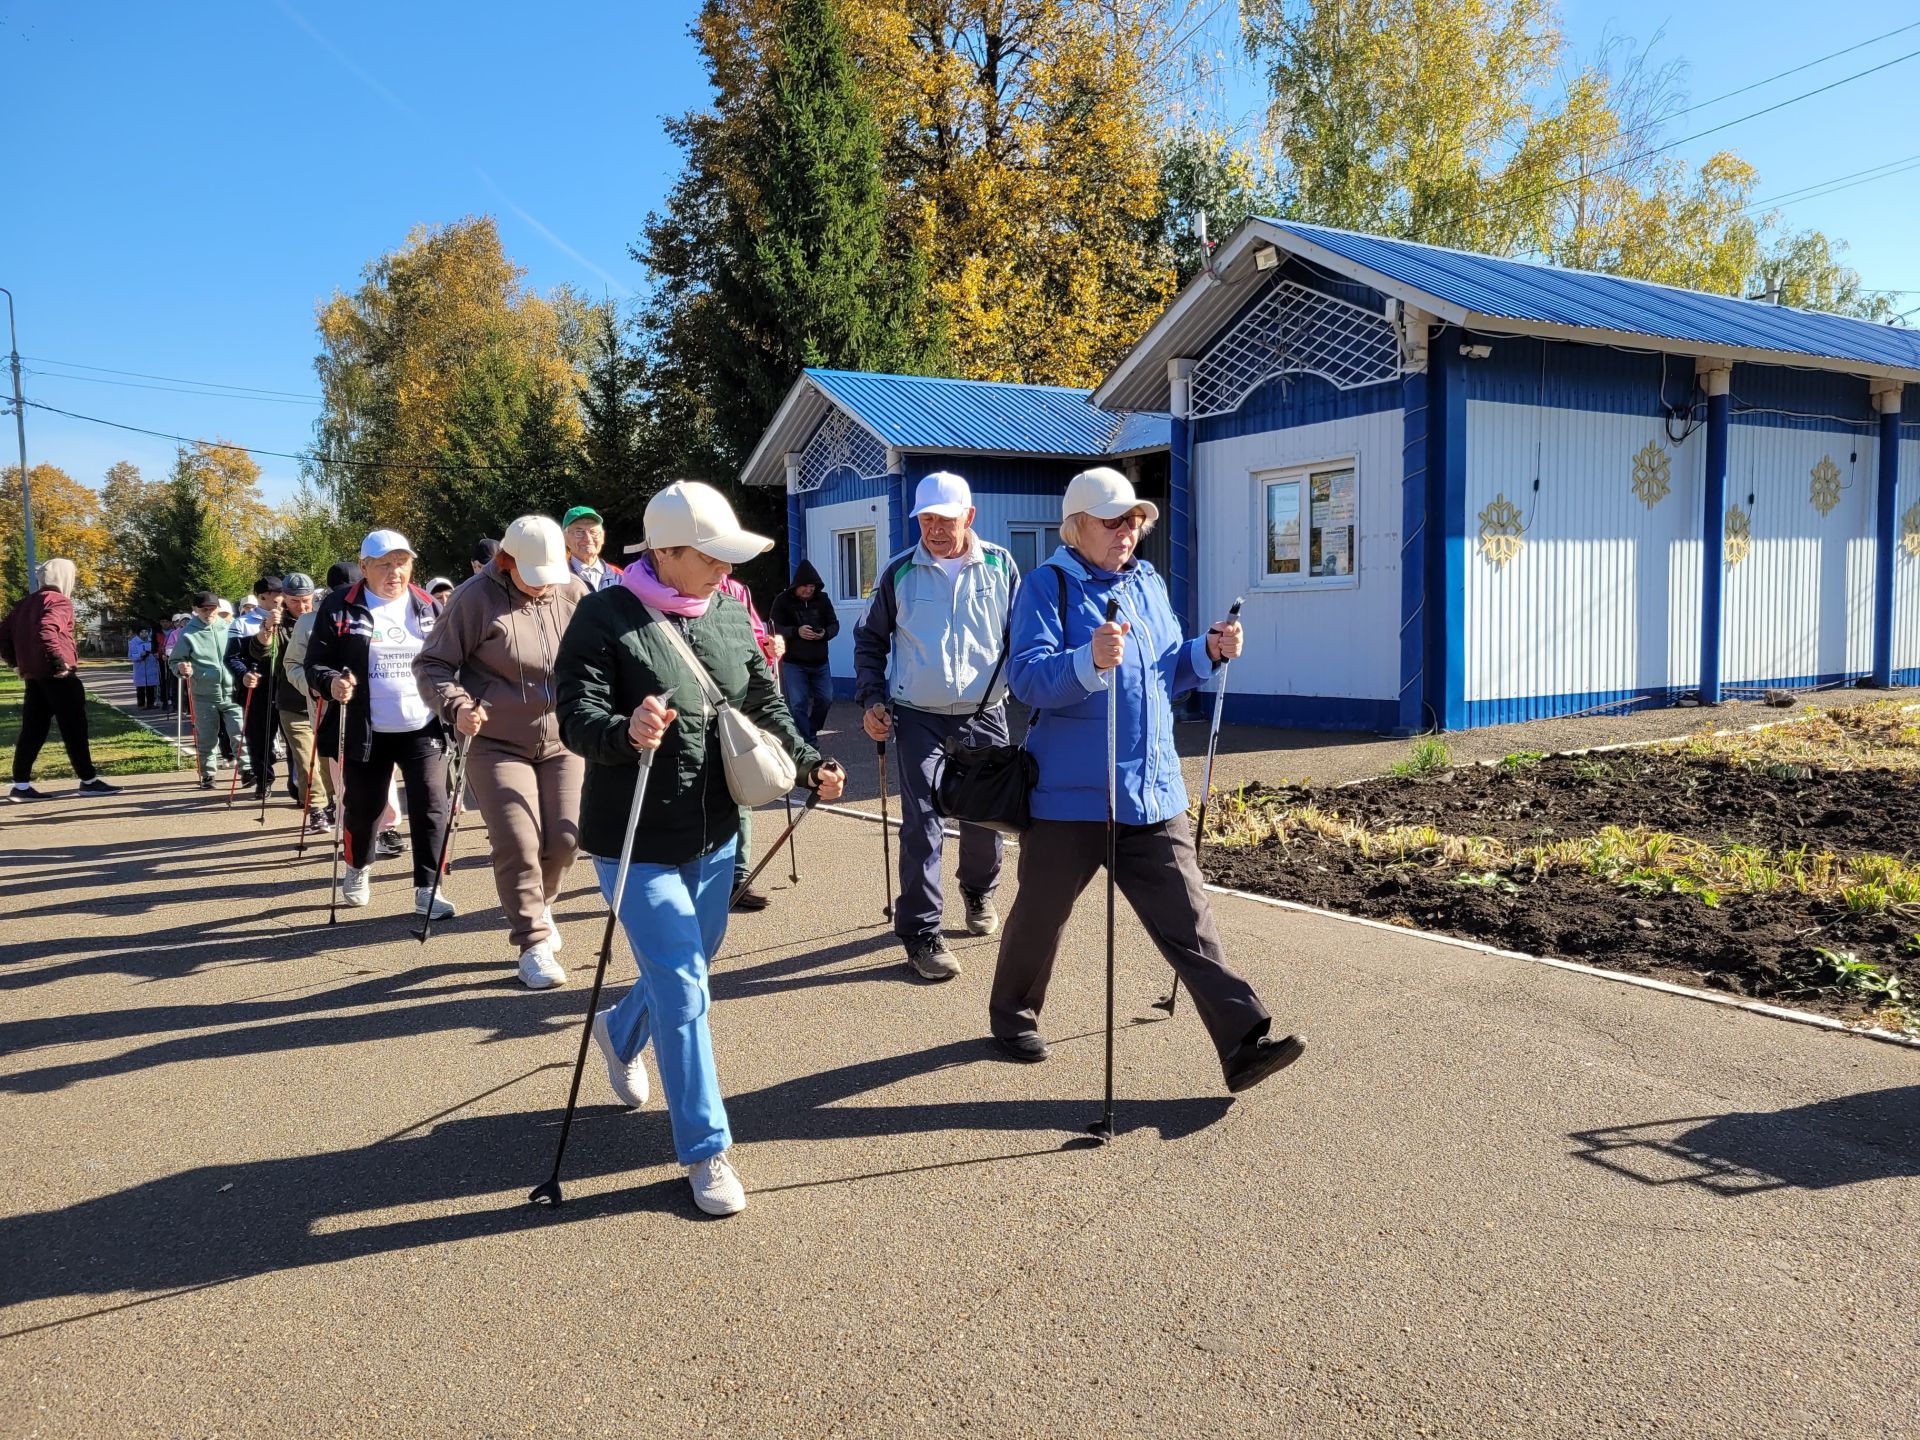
421,756
1159,874
61,702
262,719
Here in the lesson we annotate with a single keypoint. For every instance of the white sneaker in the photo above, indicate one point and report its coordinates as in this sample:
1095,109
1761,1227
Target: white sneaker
442,907
716,1189
538,969
628,1077
554,942
356,885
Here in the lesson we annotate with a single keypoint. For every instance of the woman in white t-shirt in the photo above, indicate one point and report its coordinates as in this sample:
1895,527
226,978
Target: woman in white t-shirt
361,658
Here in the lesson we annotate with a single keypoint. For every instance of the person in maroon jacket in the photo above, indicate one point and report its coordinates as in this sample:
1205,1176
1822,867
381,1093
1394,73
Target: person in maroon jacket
36,639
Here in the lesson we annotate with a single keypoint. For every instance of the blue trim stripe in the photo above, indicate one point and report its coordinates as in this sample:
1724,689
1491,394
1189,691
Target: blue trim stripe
1713,534
1311,712
1413,553
1515,710
1180,566
1447,583
1886,548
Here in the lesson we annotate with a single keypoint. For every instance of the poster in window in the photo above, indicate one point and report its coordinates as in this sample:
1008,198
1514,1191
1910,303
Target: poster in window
1283,528
1333,523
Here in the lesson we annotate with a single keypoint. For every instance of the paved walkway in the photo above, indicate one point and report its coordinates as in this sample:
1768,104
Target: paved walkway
267,1177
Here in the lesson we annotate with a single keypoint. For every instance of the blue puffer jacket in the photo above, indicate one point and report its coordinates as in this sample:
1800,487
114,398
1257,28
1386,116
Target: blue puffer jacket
1054,674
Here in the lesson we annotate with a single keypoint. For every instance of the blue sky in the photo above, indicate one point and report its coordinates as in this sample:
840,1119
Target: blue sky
194,178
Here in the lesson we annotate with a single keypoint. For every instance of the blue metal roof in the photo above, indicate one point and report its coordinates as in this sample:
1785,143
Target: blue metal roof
1486,286
918,412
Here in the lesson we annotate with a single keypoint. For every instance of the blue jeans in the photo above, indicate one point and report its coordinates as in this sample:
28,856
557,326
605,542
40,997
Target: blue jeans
809,692
675,917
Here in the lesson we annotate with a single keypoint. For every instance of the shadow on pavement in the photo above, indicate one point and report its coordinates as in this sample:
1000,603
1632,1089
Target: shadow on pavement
225,1222
1854,1139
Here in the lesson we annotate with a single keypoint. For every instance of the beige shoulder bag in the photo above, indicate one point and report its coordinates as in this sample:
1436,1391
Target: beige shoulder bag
758,767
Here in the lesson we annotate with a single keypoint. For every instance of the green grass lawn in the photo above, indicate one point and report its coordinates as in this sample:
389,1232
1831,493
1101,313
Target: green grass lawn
121,745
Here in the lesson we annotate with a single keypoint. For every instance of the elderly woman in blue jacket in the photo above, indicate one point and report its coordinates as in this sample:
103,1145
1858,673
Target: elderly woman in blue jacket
1062,658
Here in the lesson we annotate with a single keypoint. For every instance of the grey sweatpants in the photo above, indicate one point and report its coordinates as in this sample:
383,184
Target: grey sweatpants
532,810
1159,874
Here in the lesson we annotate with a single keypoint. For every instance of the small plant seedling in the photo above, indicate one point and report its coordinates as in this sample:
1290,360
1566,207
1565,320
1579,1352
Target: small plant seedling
1861,977
1592,772
1519,761
1488,880
1427,757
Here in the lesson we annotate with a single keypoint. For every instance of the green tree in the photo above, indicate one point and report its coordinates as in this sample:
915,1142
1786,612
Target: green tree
1203,173
187,548
308,535
617,472
127,502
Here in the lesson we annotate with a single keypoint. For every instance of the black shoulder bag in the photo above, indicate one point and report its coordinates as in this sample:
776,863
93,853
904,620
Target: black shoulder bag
991,785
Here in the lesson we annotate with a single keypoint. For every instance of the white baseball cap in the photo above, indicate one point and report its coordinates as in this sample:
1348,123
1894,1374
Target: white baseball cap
942,493
539,550
689,513
384,542
1105,494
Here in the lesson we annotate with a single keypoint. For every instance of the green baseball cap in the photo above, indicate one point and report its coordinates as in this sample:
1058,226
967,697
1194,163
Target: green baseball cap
581,512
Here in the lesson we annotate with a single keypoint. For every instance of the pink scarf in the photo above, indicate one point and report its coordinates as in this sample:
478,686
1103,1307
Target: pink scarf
640,579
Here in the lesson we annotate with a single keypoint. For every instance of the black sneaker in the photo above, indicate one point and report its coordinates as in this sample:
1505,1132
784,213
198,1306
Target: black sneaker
246,779
1252,1061
389,846
751,899
982,918
206,782
97,786
931,960
20,794
318,823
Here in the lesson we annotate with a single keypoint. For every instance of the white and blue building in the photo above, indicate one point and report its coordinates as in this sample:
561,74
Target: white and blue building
1458,490
850,448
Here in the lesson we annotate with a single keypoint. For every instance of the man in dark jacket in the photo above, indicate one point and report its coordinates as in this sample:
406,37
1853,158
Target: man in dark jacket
803,617
36,639
255,644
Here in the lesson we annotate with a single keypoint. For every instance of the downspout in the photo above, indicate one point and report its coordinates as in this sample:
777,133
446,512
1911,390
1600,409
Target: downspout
1717,377
897,495
1887,395
796,516
1181,518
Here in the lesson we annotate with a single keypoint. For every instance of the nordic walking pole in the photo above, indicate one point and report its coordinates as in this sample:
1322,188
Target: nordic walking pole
886,838
176,724
548,1191
340,840
456,782
793,856
1102,1131
1172,997
273,721
766,859
306,797
240,744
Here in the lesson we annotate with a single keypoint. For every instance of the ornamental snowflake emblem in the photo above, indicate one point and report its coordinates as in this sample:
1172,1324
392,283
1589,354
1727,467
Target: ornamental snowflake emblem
1501,531
1826,485
1739,541
1652,474
1910,531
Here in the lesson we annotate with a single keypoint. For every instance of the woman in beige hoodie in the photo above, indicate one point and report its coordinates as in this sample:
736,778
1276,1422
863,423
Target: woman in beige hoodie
487,672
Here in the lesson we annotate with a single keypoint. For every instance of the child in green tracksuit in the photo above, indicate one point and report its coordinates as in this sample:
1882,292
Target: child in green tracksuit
199,657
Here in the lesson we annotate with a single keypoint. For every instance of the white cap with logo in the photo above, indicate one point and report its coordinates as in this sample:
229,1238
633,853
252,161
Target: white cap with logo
689,513
1105,494
539,550
942,493
384,542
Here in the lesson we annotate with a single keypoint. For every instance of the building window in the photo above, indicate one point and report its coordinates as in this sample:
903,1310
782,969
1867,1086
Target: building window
1308,523
1030,544
855,561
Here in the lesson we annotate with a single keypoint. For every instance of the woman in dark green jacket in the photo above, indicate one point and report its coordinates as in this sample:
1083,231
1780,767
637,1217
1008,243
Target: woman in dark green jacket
623,687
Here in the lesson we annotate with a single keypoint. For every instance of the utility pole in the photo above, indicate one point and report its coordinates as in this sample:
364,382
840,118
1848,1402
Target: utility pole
20,423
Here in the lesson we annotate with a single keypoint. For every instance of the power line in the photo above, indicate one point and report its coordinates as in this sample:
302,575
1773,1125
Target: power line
1757,84
1872,171
1821,194
1697,135
172,379
170,389
303,456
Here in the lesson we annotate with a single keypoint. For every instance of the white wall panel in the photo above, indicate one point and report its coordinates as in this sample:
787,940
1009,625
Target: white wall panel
1906,568
996,513
1603,597
1330,642
822,522
1801,604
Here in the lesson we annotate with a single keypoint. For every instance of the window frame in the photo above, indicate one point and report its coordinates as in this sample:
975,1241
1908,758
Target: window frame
853,533
1040,529
1301,473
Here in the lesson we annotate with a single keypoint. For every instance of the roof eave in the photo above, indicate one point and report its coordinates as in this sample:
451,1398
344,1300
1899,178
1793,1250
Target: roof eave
765,456
1688,349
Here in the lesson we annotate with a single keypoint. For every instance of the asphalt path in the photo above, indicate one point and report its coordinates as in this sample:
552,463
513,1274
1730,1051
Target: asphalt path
267,1176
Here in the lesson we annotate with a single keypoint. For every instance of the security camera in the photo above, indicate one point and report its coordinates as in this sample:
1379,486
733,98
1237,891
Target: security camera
1476,352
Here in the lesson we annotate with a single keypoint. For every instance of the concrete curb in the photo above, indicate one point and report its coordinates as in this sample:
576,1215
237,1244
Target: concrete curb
1618,977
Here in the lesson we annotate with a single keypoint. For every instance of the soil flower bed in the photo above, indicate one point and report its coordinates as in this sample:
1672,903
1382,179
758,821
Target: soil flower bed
1779,865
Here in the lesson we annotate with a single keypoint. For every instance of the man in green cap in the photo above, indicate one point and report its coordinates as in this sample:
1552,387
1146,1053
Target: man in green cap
586,533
